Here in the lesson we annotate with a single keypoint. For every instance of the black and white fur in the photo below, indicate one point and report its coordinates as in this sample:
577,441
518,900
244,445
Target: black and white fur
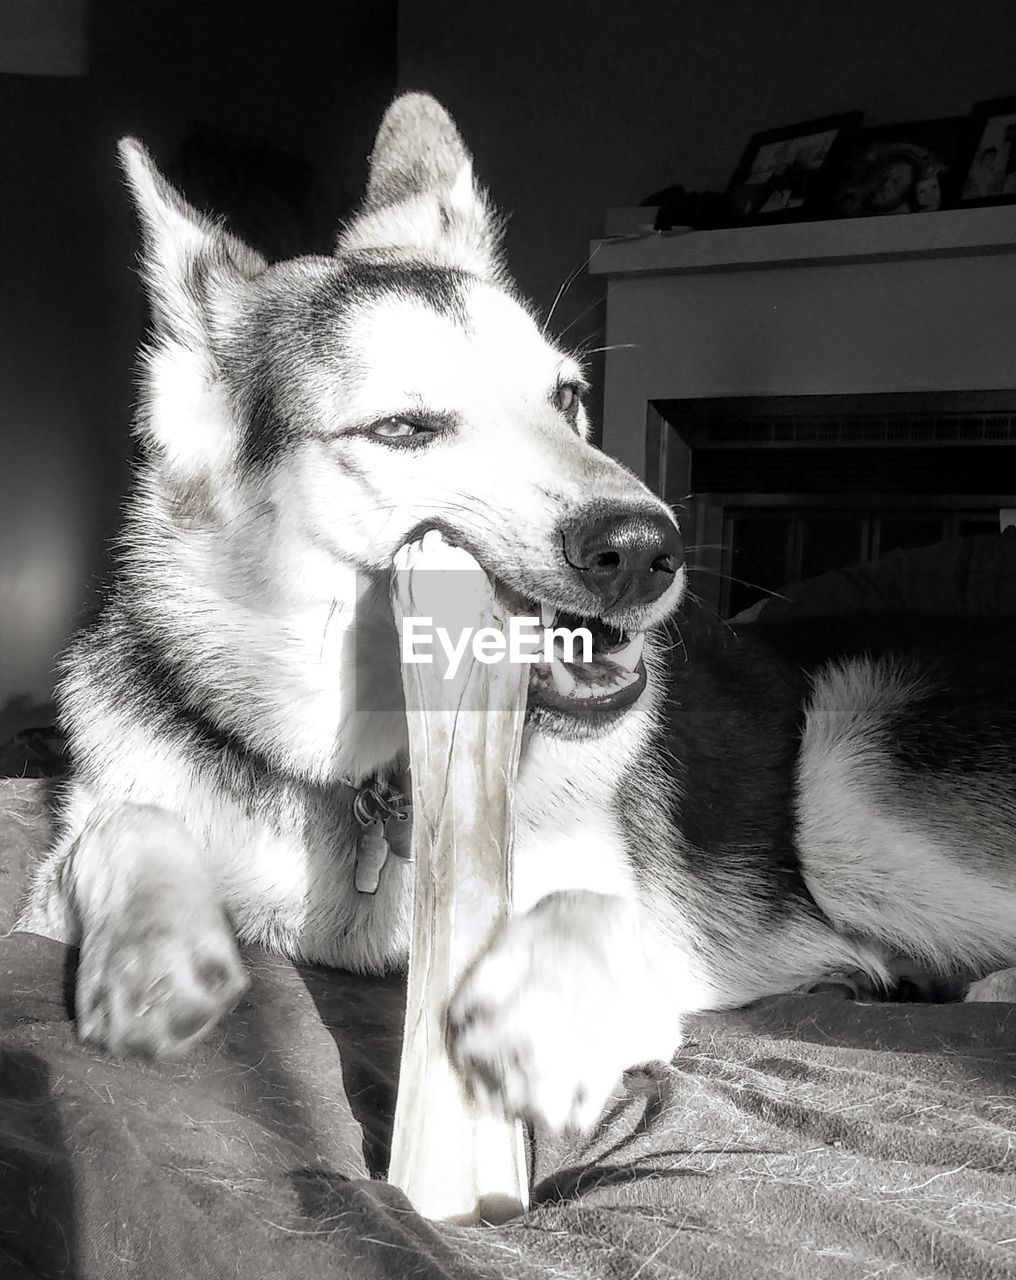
755,820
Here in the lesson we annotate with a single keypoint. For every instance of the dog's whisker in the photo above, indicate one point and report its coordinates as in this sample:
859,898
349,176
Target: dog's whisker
435,510
324,634
568,282
597,302
613,346
742,582
708,608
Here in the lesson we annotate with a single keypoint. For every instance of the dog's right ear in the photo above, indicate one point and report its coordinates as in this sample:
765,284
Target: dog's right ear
188,262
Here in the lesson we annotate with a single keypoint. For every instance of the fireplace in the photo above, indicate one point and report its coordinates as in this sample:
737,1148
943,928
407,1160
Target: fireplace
813,396
773,490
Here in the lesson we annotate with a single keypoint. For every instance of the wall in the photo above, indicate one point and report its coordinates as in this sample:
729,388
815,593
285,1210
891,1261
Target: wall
311,79
570,107
573,106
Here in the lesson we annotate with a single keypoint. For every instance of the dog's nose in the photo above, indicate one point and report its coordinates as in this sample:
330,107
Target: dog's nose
626,555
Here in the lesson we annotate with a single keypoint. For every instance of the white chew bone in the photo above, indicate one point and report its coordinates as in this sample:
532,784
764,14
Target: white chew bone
455,1162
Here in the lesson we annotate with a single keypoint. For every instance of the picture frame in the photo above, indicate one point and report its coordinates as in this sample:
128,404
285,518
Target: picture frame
987,166
783,174
898,169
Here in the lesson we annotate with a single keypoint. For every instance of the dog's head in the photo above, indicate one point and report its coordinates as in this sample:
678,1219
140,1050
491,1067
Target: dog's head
352,401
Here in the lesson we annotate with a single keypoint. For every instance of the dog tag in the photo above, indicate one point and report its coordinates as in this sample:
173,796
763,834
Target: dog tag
399,834
371,852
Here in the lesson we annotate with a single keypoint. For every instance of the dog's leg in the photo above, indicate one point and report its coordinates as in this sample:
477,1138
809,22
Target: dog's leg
159,965
585,986
999,986
566,998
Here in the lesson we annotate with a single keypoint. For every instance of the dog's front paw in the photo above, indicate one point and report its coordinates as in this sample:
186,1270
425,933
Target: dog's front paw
563,1002
153,983
999,986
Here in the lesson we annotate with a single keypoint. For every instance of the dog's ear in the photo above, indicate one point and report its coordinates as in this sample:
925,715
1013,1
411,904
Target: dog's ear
417,149
422,199
193,269
189,262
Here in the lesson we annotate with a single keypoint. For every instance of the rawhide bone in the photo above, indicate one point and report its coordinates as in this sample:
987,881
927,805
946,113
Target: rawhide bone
455,1161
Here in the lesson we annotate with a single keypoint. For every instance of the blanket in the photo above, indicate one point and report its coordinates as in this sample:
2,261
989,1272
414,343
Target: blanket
807,1136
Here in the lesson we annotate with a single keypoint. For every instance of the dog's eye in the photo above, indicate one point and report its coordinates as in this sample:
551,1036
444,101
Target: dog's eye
400,429
567,398
418,428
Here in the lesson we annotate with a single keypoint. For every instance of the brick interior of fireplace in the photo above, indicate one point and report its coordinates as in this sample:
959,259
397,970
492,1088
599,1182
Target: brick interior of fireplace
776,490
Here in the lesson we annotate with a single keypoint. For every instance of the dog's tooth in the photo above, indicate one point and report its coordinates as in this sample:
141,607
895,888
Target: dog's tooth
631,655
547,614
563,680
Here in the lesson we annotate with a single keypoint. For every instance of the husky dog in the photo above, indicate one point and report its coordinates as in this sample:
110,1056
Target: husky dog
695,829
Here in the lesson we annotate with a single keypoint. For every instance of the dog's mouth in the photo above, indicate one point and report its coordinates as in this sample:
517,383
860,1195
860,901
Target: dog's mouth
594,668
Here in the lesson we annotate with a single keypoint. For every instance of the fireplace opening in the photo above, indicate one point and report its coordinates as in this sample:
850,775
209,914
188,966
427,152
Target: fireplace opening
775,490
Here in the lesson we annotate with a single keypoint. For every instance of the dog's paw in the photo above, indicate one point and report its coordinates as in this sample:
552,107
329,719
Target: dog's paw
999,987
562,1003
151,984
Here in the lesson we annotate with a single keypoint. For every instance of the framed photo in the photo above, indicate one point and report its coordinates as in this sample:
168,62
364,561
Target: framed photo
900,168
783,174
988,164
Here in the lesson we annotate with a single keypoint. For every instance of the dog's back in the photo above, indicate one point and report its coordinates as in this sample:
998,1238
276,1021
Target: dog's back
853,772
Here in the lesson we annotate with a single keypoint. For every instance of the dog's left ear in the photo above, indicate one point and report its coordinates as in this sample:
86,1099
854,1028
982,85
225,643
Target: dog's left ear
422,199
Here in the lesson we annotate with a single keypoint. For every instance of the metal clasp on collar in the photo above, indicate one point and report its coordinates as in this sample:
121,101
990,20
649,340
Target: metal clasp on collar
379,801
385,827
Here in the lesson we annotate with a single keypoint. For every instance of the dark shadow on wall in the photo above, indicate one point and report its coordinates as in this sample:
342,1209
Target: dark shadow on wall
286,100
272,200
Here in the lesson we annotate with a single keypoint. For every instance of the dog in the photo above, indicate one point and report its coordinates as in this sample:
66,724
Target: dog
703,818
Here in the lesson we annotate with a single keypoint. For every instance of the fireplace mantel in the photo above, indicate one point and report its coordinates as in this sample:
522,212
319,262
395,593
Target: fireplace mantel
925,302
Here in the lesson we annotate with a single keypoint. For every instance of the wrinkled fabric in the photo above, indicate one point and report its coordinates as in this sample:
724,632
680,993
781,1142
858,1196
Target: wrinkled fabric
805,1137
